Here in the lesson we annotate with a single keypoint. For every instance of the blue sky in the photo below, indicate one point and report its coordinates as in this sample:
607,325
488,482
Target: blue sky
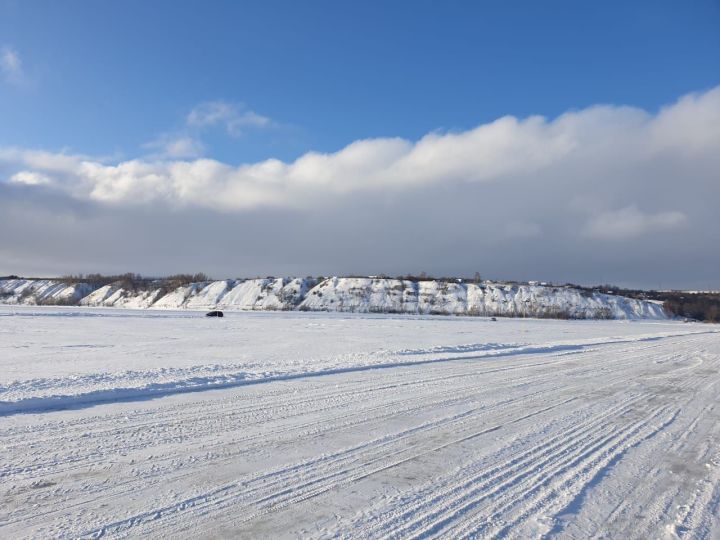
108,77
558,140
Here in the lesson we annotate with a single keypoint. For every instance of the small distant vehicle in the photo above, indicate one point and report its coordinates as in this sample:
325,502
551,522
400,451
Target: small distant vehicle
493,318
214,313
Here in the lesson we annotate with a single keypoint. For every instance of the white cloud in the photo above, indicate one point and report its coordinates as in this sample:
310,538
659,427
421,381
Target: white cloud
58,162
11,66
629,223
175,147
233,117
690,126
610,155
30,178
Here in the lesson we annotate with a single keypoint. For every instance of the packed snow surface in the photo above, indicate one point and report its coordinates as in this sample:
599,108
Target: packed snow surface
358,295
167,424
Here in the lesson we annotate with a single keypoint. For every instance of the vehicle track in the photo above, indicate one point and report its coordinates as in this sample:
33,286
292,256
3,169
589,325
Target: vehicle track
476,447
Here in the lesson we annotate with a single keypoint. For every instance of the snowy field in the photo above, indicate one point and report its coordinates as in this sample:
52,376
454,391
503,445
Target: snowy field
124,423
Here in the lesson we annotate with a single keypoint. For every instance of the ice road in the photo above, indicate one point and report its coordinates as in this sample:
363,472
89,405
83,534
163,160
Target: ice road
270,425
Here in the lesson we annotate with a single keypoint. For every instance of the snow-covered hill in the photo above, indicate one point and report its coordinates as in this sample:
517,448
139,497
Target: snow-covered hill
361,295
42,292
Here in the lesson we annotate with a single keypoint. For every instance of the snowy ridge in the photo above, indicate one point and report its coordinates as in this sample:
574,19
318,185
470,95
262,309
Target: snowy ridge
41,292
485,299
358,295
110,296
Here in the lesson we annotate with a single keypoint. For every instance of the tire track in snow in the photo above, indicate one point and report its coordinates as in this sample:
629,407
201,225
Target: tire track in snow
428,515
54,402
475,492
474,489
283,481
346,466
180,418
577,386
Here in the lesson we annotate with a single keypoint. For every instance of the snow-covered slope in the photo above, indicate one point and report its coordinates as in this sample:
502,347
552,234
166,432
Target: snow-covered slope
442,297
267,294
361,295
42,291
112,296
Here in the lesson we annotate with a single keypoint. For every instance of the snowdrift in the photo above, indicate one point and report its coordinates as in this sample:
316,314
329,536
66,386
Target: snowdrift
359,295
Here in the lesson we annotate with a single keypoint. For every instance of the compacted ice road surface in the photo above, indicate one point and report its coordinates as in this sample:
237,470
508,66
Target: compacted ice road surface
279,425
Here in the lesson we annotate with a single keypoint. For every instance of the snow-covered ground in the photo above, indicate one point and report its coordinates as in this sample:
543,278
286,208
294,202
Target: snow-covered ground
126,423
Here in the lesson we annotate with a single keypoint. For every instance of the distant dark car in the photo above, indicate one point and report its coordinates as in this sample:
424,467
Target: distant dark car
214,314
493,319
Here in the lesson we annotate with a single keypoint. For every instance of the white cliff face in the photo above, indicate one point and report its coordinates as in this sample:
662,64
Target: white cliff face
42,291
361,295
452,298
208,296
267,294
111,296
180,297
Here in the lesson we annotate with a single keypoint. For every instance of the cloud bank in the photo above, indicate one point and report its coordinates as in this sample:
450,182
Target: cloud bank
602,192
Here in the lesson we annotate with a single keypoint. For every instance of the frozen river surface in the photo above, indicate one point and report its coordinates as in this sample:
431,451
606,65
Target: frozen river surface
265,425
